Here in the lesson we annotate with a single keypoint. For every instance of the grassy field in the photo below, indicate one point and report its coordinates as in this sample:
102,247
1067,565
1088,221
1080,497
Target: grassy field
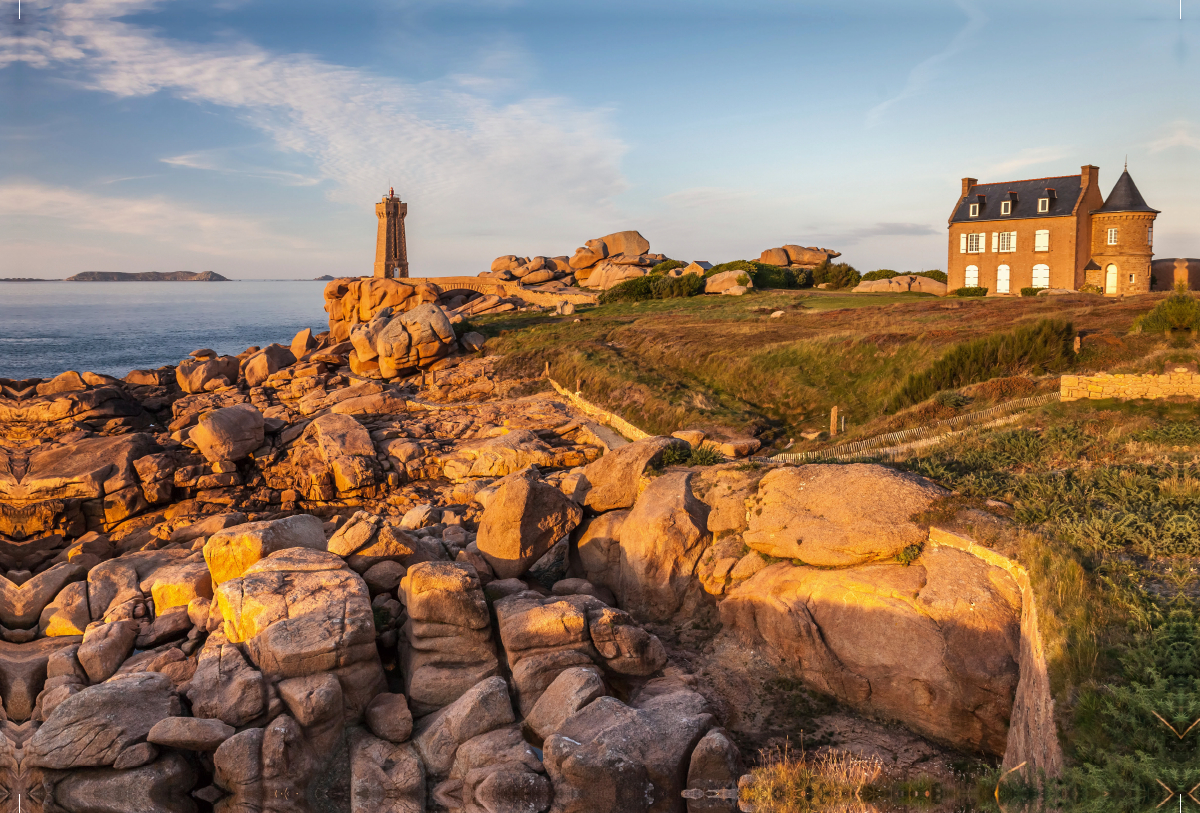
1106,500
725,365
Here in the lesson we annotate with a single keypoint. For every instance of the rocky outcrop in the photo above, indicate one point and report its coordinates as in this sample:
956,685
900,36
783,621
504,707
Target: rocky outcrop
812,514
354,301
297,577
935,644
902,283
791,256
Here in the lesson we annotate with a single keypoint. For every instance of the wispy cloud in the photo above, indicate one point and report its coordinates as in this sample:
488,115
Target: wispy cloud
1028,157
922,76
535,168
160,219
884,230
1182,134
218,161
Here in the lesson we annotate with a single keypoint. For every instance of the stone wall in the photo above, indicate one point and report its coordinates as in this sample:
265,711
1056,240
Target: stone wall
1180,381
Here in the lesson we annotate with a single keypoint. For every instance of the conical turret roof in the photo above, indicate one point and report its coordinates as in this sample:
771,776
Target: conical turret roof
1125,197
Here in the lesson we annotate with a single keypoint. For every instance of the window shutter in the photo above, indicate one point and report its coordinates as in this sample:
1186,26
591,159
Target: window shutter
983,242
962,244
1012,246
995,241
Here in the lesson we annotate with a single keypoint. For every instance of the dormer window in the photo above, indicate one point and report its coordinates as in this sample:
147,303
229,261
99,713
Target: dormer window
1043,205
1006,207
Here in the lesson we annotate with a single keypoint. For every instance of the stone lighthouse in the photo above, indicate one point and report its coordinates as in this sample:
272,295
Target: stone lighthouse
391,253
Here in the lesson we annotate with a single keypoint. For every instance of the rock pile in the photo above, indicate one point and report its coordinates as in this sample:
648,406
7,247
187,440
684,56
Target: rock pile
791,256
600,263
535,271
353,301
902,284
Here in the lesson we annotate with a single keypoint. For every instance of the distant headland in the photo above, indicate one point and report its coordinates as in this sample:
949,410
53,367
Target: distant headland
148,276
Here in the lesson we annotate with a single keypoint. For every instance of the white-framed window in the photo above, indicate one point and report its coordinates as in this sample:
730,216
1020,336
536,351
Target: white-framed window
1008,241
1006,207
1112,237
1149,235
1043,205
1041,240
972,278
974,243
1132,278
974,210
1041,276
1002,278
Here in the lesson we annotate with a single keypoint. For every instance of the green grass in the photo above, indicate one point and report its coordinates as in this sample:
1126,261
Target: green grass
1107,497
722,363
1042,347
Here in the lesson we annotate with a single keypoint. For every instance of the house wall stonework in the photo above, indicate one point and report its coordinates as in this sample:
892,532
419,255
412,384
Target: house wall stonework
1132,254
1069,246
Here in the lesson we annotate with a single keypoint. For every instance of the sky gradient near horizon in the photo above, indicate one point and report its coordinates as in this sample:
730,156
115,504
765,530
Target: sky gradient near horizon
252,137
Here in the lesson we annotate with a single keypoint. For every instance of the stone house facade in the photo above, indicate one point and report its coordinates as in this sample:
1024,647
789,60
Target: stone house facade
1055,232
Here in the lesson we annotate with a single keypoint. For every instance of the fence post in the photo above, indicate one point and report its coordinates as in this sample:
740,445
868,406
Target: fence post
833,422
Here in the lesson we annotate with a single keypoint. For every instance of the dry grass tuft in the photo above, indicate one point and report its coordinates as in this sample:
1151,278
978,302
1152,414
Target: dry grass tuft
786,780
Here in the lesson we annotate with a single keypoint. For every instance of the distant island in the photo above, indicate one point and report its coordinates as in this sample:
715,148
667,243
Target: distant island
324,278
148,276
26,279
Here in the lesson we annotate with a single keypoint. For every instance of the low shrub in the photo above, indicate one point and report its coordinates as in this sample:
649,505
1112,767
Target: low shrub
1179,311
765,276
667,265
1046,346
837,275
1090,288
972,290
640,289
951,398
1031,291
681,456
934,273
882,273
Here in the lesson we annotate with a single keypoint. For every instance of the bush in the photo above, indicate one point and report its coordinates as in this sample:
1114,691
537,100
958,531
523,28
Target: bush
1031,291
667,265
1179,311
640,289
838,275
681,456
766,276
882,273
1046,346
934,273
1090,288
973,290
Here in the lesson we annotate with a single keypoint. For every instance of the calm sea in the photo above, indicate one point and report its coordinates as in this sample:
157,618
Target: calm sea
115,327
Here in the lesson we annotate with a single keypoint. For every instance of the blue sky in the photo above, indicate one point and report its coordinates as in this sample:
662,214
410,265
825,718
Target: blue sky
252,138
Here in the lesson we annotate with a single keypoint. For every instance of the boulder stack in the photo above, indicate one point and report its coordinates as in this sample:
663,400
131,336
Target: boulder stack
791,256
352,301
902,284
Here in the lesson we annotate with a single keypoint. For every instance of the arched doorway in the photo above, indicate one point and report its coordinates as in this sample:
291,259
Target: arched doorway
1041,276
972,277
1110,279
1002,275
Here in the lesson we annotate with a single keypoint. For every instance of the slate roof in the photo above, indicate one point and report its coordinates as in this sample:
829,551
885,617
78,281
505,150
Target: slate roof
1125,197
1067,189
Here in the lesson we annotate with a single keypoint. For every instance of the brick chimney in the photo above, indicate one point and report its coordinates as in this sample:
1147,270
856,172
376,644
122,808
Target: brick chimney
967,184
1091,175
